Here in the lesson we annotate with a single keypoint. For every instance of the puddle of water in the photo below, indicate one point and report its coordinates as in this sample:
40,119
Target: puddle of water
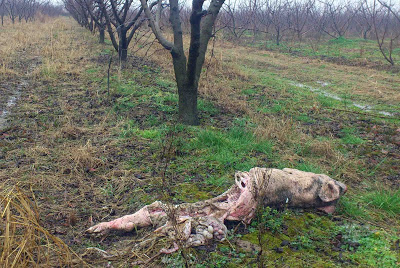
323,84
12,101
367,108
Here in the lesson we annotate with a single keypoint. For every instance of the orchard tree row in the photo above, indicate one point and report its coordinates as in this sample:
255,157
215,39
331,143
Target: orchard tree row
240,20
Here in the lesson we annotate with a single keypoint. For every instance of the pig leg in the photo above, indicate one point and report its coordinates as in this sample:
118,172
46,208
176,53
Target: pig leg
141,218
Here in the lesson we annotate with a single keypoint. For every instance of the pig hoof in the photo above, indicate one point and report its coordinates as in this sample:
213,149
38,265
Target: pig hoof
100,228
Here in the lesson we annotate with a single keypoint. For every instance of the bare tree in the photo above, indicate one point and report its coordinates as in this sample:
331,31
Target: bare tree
236,18
263,18
52,10
391,9
126,18
28,9
278,15
364,19
79,12
97,13
187,70
383,21
3,11
254,6
338,18
299,16
11,7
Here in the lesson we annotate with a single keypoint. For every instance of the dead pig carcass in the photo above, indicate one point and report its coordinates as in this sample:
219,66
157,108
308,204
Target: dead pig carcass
203,221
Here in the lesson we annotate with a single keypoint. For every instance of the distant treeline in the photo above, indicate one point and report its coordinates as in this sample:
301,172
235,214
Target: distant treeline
27,10
277,20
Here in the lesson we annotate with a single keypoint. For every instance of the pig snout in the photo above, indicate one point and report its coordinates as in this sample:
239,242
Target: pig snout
342,187
330,198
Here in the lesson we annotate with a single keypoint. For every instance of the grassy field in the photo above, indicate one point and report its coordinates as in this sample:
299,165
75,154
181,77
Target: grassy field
87,154
342,50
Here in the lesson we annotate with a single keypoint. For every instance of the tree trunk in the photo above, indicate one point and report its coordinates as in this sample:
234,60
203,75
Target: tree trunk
188,105
187,90
278,37
299,37
187,74
365,33
101,37
122,44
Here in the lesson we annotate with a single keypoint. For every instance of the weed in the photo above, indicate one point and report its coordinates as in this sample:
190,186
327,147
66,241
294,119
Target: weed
129,129
217,180
152,121
92,71
176,260
124,104
326,101
165,84
249,91
108,190
350,137
369,248
374,251
303,242
207,107
272,219
149,133
305,118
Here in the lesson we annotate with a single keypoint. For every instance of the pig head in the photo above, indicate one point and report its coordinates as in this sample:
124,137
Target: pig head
278,188
296,188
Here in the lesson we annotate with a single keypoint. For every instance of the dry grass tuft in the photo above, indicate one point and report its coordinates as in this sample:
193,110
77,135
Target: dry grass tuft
323,149
81,159
282,129
24,242
71,132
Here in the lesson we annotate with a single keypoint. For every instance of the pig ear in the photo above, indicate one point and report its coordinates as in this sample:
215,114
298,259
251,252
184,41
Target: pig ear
329,192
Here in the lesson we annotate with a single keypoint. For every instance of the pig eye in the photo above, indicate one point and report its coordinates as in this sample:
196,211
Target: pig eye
243,184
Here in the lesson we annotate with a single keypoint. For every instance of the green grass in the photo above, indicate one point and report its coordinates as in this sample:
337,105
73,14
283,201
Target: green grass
368,247
304,118
129,129
233,149
309,168
93,70
353,207
340,48
350,136
207,107
224,150
386,200
351,139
